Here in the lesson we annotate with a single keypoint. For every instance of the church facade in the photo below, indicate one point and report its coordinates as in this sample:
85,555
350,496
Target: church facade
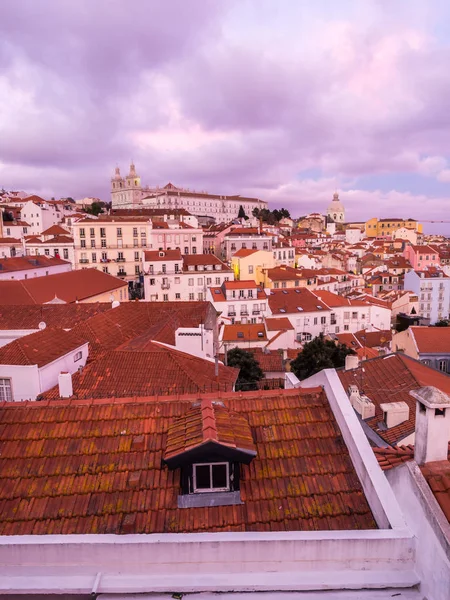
336,211
128,192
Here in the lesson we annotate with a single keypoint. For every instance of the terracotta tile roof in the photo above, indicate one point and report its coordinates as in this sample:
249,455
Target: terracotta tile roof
68,287
390,379
158,370
78,467
240,285
250,231
288,301
40,348
437,475
253,332
190,260
284,273
388,458
24,263
55,230
374,339
208,423
9,240
244,252
60,239
65,316
270,361
162,255
278,324
431,340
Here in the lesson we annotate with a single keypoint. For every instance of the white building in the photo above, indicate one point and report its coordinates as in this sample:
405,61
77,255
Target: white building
128,192
239,301
170,276
31,364
432,287
39,214
28,267
246,238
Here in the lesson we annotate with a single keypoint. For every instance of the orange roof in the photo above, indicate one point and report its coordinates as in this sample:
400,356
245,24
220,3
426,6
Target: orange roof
239,285
40,348
104,460
25,263
270,361
374,339
203,259
209,423
390,379
252,332
157,370
23,316
162,255
68,287
9,240
278,324
243,252
55,230
294,301
431,340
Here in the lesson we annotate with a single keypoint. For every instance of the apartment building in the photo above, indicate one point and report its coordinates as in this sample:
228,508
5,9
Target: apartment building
239,301
170,276
387,227
251,238
422,257
115,244
432,287
39,214
247,263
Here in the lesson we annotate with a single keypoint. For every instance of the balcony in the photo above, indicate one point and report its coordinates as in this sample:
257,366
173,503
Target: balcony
165,286
256,312
231,314
84,260
120,260
105,260
244,313
121,273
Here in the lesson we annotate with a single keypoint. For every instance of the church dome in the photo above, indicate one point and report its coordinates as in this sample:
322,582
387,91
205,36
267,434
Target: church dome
336,205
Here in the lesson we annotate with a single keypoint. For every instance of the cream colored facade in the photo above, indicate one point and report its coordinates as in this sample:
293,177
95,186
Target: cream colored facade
249,267
404,342
117,295
387,227
115,244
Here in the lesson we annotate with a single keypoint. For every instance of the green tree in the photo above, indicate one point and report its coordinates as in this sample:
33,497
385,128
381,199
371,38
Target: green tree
95,208
250,371
241,213
442,323
317,355
255,212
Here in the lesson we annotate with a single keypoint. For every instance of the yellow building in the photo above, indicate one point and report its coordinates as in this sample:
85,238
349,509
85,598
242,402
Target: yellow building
386,227
247,264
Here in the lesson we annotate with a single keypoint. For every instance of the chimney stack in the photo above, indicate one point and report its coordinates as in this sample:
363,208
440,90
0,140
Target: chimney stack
65,385
432,425
351,362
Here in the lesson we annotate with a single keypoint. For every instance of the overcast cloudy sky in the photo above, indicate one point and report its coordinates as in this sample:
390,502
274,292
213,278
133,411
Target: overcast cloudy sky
287,100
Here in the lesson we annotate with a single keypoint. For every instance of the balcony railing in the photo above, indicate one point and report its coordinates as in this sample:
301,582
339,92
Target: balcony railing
120,260
84,260
256,312
231,314
121,273
165,286
244,313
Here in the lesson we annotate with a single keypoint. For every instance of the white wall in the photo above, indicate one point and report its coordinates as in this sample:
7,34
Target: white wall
429,525
197,341
36,272
24,381
9,335
48,374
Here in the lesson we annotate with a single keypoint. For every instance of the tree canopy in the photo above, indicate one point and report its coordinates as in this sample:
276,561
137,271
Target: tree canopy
271,216
241,213
317,355
250,371
95,208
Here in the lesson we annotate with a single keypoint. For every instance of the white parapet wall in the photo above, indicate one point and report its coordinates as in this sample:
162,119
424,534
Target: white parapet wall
207,562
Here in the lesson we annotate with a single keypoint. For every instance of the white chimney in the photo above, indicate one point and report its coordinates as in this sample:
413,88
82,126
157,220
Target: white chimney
351,362
65,385
432,425
361,403
394,413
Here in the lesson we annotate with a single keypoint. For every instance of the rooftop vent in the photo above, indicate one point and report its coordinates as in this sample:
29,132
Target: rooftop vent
282,310
240,334
299,308
360,402
260,334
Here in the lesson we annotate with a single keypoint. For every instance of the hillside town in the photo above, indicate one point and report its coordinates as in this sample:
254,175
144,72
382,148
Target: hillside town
179,362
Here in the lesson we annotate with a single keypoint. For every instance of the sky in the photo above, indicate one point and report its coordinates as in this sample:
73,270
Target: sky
286,100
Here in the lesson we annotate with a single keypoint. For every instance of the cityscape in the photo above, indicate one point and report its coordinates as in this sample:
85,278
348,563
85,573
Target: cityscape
233,381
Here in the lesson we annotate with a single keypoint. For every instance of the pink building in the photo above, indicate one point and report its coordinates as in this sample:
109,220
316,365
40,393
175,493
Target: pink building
421,257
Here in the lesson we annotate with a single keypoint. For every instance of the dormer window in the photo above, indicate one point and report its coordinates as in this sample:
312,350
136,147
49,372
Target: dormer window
211,477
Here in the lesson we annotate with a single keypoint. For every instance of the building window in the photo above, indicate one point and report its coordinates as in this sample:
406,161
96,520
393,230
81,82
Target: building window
102,232
191,281
443,366
119,232
135,231
213,477
323,320
5,390
194,250
66,253
92,243
354,315
94,257
250,270
77,356
177,296
165,297
137,270
105,269
200,281
82,232
83,243
47,252
186,250
346,327
92,232
191,296
103,243
152,281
